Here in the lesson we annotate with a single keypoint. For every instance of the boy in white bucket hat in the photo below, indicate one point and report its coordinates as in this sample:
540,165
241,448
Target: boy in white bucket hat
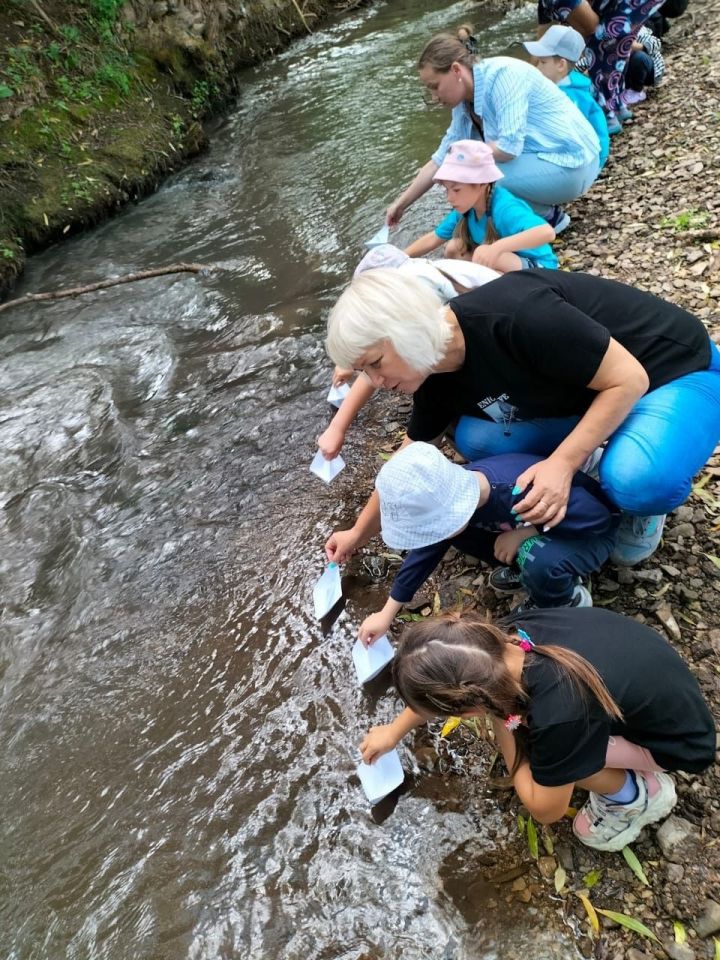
428,503
488,224
555,55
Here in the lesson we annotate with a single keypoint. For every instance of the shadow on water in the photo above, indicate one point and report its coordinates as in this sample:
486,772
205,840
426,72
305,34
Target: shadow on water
179,735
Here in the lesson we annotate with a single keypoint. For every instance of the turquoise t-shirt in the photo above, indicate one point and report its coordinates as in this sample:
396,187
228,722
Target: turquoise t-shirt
510,215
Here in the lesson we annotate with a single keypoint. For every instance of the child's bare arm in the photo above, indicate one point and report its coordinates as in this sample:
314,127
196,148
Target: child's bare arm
526,239
331,440
424,245
382,739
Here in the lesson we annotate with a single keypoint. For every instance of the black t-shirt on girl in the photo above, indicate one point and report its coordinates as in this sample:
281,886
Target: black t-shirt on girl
534,339
663,708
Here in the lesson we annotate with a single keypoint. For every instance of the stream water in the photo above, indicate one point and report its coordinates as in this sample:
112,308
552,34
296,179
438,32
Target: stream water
177,759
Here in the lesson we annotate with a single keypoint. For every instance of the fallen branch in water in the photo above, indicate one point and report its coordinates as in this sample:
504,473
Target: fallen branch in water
103,284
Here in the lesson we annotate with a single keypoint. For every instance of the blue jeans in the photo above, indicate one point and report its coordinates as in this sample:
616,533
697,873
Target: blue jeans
553,563
651,459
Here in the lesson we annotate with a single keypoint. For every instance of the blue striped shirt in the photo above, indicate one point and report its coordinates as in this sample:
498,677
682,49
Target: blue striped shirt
523,112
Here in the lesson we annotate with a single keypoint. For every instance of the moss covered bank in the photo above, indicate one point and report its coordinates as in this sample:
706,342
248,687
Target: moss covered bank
99,99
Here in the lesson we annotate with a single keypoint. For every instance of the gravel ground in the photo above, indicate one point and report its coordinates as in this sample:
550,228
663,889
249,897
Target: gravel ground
653,221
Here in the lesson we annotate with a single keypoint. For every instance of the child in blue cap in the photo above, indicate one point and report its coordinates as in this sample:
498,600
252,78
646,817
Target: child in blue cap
555,55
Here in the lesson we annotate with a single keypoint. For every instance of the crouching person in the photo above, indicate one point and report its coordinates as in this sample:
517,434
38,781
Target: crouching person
577,698
428,504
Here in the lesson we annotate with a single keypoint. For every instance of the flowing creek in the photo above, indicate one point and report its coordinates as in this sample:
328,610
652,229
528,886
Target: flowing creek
177,735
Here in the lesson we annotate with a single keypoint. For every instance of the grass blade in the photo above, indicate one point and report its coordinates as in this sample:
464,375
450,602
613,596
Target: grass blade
717,948
521,824
630,922
532,838
635,865
590,911
713,558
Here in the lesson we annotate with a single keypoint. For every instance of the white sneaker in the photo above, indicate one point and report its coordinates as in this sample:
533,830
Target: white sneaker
638,538
603,825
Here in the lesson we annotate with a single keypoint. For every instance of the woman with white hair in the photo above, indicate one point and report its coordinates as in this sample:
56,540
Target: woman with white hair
543,362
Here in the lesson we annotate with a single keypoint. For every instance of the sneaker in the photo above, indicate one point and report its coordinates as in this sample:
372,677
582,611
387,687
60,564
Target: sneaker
631,97
581,598
505,580
558,219
624,114
614,126
603,825
638,539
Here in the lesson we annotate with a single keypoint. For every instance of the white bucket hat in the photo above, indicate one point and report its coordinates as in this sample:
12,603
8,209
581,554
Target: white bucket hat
424,497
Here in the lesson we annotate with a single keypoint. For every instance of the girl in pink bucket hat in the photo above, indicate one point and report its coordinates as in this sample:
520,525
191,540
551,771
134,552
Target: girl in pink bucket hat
488,224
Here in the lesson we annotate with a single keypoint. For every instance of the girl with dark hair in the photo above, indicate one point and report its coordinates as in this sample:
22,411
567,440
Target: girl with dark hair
578,697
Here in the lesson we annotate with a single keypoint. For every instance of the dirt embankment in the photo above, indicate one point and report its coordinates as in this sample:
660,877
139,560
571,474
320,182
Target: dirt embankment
99,99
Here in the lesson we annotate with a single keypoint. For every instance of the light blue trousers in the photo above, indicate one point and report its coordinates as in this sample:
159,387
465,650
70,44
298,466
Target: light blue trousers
651,459
544,184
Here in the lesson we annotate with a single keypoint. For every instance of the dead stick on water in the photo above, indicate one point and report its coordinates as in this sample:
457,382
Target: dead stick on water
103,284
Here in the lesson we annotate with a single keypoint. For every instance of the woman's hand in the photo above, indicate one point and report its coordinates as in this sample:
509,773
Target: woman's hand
379,740
507,544
373,627
342,375
330,442
341,545
394,213
546,504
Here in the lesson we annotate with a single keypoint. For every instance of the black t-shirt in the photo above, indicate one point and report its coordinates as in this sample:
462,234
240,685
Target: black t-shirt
534,339
663,708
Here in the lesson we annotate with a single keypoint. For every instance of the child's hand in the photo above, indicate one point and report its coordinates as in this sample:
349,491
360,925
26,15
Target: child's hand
379,740
330,442
341,545
487,255
373,627
341,375
507,544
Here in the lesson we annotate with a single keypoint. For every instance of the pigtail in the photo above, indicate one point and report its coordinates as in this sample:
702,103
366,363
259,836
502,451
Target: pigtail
454,664
491,234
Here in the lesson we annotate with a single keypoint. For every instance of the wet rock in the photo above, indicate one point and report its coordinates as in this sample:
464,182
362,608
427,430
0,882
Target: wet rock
635,954
652,576
547,866
625,575
679,951
709,922
675,836
427,757
674,872
565,857
683,512
681,530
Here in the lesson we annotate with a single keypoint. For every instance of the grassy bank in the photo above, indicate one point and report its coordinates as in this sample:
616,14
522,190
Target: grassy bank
99,99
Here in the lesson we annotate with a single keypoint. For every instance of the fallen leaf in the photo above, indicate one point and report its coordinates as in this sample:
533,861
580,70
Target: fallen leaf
452,723
630,922
548,843
679,932
713,558
590,911
635,865
590,879
45,218
436,604
571,812
532,838
521,824
560,879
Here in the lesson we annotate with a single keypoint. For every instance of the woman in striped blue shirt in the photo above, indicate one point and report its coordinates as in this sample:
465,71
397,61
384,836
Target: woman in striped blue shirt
548,152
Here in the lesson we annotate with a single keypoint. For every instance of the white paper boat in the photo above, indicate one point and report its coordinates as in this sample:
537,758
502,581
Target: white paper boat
338,394
327,470
369,661
382,236
327,591
382,777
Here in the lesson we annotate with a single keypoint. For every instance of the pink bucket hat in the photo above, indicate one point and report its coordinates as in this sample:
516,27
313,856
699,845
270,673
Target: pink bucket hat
469,161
